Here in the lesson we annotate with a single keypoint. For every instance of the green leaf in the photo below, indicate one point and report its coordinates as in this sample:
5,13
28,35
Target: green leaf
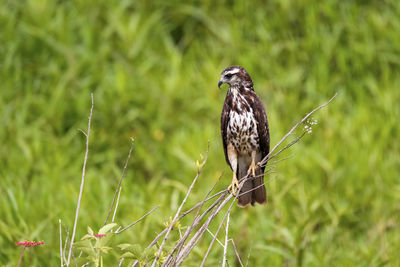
90,231
106,228
135,249
103,242
86,247
83,244
105,249
124,246
86,237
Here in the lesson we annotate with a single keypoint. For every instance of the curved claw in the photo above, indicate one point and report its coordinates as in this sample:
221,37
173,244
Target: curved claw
234,186
252,169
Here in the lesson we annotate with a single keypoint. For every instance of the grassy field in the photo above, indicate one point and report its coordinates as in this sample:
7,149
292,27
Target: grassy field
153,67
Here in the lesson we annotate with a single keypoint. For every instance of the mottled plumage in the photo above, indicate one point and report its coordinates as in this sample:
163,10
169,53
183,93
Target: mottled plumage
245,134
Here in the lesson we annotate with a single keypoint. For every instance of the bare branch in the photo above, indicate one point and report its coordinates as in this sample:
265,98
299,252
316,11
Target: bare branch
266,158
82,182
174,220
287,146
226,239
236,252
183,215
65,245
135,222
61,251
219,228
277,161
183,239
120,182
192,243
195,223
116,204
248,257
222,245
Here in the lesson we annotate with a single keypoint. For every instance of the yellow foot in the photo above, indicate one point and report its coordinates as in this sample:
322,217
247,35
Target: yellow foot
252,169
234,185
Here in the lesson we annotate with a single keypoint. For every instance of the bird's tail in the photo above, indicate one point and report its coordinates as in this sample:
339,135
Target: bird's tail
253,190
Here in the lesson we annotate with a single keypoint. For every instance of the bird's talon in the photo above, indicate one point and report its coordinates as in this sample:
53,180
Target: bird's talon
233,187
252,169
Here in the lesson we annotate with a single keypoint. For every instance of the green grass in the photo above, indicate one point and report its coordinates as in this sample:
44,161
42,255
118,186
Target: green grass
154,68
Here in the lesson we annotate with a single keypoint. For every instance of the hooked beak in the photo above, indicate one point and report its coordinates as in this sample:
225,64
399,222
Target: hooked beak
220,83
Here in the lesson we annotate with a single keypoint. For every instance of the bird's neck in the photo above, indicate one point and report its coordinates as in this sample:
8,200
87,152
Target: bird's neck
239,89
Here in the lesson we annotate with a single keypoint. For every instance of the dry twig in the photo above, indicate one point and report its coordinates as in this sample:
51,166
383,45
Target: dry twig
236,252
175,219
226,239
82,182
196,220
61,251
135,222
192,243
248,257
266,158
119,184
184,214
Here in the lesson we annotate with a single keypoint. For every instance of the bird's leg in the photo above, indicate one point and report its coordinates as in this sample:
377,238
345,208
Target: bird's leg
233,160
235,184
253,165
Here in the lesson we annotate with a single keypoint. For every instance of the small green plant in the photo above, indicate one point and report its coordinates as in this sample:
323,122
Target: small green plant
135,252
93,246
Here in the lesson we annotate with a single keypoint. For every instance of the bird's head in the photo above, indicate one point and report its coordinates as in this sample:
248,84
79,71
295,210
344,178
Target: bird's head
236,76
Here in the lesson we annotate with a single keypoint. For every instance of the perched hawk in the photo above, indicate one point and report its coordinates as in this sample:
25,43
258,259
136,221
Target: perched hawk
245,135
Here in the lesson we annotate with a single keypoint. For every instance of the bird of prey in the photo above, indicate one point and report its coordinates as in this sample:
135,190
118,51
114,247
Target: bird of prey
245,135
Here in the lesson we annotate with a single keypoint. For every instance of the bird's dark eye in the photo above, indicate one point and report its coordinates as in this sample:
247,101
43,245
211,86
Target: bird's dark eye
228,76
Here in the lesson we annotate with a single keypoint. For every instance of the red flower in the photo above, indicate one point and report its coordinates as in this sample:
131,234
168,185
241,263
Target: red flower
29,243
99,235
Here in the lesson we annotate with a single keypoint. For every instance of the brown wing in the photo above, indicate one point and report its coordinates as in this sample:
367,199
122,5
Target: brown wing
262,124
224,124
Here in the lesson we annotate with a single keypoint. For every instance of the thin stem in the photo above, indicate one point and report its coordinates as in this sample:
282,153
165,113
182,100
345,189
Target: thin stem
61,251
65,244
192,243
183,239
195,223
266,158
222,245
135,222
20,257
236,252
116,204
287,146
119,183
175,219
183,215
226,240
219,228
248,258
82,182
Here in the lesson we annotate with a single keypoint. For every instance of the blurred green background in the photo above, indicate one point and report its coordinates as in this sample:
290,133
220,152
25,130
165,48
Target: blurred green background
153,67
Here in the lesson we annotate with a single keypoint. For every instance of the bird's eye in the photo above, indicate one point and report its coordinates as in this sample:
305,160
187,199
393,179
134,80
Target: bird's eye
228,76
